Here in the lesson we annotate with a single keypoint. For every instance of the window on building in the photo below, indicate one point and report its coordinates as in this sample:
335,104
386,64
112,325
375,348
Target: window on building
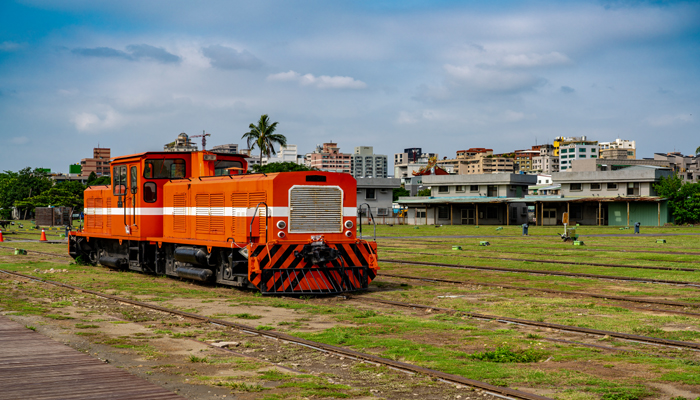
443,213
370,194
582,150
420,213
575,187
460,188
612,186
595,186
582,156
492,191
474,188
443,189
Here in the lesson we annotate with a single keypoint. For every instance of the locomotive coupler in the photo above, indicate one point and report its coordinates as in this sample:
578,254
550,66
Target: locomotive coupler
317,253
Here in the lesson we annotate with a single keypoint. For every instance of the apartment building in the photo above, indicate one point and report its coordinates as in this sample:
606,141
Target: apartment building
230,148
546,162
365,164
574,148
182,143
99,163
524,159
480,161
618,149
687,167
286,153
410,161
328,158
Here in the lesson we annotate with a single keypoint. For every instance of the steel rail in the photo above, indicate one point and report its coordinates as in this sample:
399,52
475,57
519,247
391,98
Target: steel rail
542,272
566,328
568,248
39,252
547,261
401,366
564,292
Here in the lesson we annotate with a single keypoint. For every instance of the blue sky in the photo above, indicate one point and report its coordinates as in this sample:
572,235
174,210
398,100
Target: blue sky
441,75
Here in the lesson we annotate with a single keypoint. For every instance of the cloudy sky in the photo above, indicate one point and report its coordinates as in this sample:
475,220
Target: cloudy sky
441,75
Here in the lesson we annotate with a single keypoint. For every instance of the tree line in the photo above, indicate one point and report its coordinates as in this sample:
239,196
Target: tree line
683,198
29,188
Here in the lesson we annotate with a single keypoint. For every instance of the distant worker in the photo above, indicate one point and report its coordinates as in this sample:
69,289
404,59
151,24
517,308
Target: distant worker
636,227
525,226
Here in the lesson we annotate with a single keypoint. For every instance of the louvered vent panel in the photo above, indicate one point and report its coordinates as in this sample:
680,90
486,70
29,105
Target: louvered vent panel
98,213
217,213
255,199
180,212
108,213
202,213
316,209
239,203
90,213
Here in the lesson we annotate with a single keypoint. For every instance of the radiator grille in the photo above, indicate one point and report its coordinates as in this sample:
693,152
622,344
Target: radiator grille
180,212
315,209
217,213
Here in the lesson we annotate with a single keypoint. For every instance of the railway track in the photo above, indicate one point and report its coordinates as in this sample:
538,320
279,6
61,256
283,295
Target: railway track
541,272
39,252
569,248
565,328
565,292
397,365
544,261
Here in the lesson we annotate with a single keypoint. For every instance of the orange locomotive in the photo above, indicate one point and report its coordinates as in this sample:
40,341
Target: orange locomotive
199,216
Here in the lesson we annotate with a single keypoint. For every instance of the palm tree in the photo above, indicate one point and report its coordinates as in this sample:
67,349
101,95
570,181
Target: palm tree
697,151
263,135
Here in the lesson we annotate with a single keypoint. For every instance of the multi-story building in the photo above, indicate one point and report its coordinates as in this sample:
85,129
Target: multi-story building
231,148
575,148
524,159
410,161
687,167
328,158
286,153
99,163
365,164
618,149
479,161
546,162
182,143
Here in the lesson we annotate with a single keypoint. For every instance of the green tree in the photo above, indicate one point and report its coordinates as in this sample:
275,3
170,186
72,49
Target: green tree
263,135
103,180
697,151
18,186
91,178
401,192
280,167
56,196
424,192
683,199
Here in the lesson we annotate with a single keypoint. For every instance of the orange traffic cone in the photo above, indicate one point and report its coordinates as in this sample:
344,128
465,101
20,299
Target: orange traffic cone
1,239
43,236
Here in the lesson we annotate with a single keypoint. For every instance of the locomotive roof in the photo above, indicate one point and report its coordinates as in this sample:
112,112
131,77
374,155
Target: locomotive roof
171,153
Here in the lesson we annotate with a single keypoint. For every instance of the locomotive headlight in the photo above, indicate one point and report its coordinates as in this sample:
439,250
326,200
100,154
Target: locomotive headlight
348,233
281,224
348,224
281,235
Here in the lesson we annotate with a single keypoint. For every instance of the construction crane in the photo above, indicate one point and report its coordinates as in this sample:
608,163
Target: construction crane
204,139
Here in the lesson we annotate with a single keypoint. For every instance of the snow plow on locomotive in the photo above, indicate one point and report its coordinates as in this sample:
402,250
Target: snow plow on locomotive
199,216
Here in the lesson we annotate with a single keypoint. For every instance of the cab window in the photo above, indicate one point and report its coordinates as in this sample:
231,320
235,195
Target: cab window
150,192
228,167
119,180
165,169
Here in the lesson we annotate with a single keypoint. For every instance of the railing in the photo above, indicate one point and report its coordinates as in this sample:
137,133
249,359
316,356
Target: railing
369,212
252,221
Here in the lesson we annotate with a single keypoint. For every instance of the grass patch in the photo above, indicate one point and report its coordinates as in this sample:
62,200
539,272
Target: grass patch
508,355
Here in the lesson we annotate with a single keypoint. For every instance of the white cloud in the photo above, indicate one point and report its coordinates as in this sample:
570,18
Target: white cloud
669,120
321,82
491,80
89,122
9,46
535,60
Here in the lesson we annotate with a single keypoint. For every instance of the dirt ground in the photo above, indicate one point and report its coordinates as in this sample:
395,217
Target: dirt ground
186,356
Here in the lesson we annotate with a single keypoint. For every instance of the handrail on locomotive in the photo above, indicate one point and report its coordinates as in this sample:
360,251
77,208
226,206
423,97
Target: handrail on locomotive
371,218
